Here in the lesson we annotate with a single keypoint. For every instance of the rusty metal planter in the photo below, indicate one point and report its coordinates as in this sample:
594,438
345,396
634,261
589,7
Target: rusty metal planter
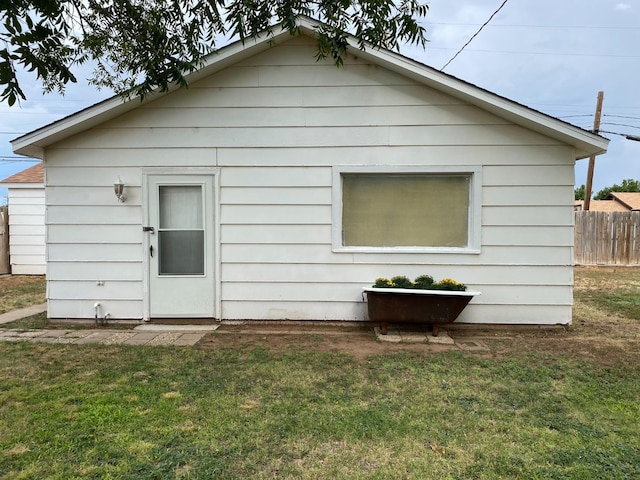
399,305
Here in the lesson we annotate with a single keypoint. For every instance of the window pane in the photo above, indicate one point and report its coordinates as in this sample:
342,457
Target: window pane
181,252
387,210
181,206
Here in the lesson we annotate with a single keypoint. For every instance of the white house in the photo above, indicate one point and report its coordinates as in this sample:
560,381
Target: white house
26,221
276,187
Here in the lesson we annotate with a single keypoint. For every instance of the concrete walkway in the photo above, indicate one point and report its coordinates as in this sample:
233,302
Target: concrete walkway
187,335
22,313
176,338
146,334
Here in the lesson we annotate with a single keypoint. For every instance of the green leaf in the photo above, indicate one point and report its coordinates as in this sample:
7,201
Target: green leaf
140,46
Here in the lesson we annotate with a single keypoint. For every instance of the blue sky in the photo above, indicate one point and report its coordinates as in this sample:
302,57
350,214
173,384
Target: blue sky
553,56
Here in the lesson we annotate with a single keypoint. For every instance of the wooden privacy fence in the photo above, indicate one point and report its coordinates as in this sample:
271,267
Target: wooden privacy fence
607,238
4,241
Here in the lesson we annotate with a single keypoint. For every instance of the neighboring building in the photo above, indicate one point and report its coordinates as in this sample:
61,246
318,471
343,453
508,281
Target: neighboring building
277,186
630,200
26,221
614,202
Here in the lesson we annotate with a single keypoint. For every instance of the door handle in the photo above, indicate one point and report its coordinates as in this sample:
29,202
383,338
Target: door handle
148,229
151,250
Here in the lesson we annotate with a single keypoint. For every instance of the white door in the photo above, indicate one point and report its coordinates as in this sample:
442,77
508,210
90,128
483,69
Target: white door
181,256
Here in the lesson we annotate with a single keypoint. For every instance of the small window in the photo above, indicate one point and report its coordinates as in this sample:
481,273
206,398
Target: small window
424,211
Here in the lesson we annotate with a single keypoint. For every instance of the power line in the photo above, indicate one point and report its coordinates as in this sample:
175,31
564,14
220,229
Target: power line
536,26
474,35
621,116
575,116
513,52
625,135
575,105
9,162
621,125
12,159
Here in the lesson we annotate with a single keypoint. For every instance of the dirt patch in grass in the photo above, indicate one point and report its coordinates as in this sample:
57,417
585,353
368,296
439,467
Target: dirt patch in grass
602,332
359,341
605,329
612,344
20,291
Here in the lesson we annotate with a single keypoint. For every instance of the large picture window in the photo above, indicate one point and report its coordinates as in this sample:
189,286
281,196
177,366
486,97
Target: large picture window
403,210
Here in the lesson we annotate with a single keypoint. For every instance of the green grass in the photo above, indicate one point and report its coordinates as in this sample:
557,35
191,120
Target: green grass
150,412
626,303
21,291
40,321
37,321
614,290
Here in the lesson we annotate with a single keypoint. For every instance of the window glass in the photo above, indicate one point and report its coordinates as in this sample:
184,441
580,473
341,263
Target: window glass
404,210
180,206
181,233
181,252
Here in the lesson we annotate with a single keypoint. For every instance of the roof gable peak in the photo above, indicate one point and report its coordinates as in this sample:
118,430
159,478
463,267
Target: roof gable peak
585,142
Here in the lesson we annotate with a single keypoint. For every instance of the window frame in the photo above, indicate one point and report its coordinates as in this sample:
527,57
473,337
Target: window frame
475,204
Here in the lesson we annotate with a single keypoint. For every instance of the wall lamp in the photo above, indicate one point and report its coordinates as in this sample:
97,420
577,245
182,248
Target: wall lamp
118,189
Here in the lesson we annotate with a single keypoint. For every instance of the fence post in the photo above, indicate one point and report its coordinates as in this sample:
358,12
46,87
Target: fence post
5,267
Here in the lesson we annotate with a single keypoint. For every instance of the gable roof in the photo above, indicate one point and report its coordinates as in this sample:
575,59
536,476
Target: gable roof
586,143
631,200
602,206
33,174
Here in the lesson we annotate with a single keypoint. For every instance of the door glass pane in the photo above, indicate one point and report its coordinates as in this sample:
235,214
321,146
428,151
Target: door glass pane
180,206
181,252
180,232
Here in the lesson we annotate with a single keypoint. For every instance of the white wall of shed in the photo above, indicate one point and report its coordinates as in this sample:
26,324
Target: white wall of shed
26,230
276,124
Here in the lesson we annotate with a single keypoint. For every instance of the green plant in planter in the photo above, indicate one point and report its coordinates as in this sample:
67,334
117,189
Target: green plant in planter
449,284
383,283
422,282
401,282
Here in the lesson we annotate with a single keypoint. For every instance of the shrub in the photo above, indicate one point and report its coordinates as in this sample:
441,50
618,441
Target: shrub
423,282
383,283
401,281
449,284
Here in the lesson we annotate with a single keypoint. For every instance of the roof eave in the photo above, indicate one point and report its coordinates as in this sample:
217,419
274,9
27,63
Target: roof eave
616,198
586,143
33,144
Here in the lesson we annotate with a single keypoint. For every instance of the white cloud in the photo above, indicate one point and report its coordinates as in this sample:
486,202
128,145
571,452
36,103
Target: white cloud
622,7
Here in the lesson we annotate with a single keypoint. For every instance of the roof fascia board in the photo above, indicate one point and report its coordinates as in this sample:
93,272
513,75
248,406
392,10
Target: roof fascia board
34,143
586,143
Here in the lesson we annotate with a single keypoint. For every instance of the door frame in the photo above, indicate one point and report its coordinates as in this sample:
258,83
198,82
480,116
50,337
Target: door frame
214,172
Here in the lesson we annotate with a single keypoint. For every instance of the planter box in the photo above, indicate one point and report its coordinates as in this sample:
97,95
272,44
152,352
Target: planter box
399,305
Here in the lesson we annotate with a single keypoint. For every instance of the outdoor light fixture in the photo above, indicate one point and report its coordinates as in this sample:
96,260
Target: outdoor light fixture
118,189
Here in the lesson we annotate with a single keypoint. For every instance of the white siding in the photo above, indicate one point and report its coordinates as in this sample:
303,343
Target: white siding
275,124
26,230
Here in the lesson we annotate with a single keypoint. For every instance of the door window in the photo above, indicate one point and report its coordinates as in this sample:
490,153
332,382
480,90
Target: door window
181,230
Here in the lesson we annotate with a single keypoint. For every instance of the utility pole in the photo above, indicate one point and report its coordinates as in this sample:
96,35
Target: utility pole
592,158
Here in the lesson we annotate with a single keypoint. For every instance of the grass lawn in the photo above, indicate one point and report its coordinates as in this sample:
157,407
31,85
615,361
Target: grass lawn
613,291
105,412
21,291
549,404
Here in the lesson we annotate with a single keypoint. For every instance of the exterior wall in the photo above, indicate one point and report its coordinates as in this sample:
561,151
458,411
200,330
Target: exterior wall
26,230
275,125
